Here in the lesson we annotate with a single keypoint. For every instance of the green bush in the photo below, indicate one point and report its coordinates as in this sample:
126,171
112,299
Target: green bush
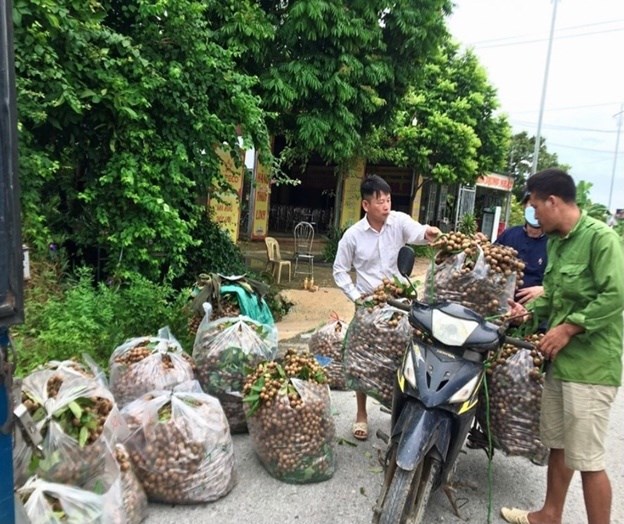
94,319
331,246
215,253
468,224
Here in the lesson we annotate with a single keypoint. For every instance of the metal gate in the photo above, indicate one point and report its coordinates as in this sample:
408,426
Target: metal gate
466,202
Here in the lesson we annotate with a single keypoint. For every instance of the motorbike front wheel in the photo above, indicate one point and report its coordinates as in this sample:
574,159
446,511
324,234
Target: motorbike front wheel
409,493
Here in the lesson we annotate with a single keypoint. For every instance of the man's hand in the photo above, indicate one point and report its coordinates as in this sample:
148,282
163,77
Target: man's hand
529,293
518,313
556,339
432,233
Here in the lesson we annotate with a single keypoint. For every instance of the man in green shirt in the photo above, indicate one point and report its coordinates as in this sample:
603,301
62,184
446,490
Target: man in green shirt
583,303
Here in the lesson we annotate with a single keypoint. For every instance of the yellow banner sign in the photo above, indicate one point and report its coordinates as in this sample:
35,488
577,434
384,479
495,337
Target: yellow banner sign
226,208
262,190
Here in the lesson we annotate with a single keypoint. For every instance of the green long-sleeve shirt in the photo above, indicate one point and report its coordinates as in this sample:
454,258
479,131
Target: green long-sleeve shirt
584,285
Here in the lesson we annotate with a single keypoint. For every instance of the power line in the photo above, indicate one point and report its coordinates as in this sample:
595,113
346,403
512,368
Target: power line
571,108
589,150
537,40
515,37
565,128
529,38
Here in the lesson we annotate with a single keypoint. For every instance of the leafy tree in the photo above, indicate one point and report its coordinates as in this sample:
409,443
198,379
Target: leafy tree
122,106
337,67
598,211
445,127
520,160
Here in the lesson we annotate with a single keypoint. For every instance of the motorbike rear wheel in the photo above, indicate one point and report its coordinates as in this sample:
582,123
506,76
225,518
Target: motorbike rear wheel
409,493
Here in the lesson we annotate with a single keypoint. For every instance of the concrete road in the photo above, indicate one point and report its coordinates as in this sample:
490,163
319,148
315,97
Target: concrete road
349,496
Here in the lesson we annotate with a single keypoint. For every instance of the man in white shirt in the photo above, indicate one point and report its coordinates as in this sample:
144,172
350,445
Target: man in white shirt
371,246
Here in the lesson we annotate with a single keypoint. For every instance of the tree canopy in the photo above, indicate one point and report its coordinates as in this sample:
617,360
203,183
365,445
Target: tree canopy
520,160
338,67
121,106
446,126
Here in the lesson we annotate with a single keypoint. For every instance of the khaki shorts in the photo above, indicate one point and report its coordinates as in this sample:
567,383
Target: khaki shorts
575,418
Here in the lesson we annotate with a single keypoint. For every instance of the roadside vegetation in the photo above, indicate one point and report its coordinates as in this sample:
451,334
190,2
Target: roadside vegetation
126,108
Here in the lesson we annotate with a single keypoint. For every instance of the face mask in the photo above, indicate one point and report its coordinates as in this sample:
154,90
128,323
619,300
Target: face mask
529,216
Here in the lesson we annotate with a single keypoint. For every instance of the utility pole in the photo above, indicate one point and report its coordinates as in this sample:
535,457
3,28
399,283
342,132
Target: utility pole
538,135
617,148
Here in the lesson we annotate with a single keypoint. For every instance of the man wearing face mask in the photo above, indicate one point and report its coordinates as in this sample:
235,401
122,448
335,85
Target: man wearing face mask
530,242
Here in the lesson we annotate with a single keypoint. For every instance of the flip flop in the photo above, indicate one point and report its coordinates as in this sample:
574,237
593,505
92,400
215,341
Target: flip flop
360,430
515,515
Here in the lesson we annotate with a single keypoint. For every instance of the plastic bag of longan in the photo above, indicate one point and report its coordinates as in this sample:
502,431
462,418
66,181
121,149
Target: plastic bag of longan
294,434
223,351
85,368
373,350
327,341
515,391
143,364
52,503
133,495
180,445
476,282
79,422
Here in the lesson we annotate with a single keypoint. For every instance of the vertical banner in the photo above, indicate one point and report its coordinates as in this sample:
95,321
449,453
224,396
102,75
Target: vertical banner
226,208
260,205
351,199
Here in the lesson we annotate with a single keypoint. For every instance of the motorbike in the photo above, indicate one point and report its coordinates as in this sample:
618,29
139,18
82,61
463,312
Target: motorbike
435,398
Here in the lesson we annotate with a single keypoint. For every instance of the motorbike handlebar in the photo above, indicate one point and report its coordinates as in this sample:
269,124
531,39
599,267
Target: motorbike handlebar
519,343
398,304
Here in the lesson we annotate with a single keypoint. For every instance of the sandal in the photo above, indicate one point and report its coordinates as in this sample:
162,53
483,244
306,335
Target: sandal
360,430
515,515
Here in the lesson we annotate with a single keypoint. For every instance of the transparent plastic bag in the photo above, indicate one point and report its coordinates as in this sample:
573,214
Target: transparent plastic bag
143,364
515,392
133,495
476,284
224,350
374,347
327,341
180,445
294,437
87,368
53,503
79,422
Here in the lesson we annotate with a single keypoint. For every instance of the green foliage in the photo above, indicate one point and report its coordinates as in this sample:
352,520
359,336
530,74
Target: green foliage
122,105
337,68
619,229
445,126
516,215
468,224
520,160
212,252
331,246
423,251
597,211
83,317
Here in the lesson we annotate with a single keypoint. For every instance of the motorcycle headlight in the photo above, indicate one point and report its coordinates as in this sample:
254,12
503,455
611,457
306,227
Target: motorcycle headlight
450,330
409,368
464,393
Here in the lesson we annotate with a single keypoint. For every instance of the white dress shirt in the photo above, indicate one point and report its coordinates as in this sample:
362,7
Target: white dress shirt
373,254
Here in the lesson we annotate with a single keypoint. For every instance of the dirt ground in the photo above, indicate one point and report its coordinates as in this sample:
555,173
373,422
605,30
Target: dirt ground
313,309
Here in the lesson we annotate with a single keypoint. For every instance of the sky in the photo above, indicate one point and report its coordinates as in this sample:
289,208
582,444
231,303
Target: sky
584,88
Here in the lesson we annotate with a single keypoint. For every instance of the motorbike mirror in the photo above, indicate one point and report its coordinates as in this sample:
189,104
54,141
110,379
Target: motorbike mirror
405,261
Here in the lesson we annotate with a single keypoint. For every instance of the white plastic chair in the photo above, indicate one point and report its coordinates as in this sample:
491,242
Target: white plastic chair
274,258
